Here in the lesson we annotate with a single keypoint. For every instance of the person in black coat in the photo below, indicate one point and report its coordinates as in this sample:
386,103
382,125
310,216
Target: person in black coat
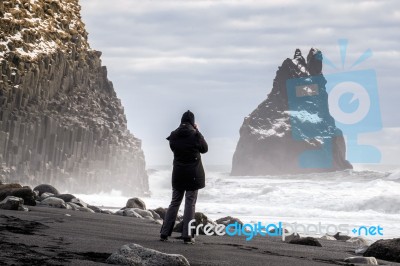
187,143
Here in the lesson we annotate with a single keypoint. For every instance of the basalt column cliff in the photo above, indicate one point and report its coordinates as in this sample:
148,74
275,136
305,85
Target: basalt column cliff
60,120
292,131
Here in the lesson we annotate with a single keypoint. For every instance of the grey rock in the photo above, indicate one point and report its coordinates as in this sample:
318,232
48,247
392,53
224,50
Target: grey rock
328,237
73,206
293,236
45,195
200,218
136,203
361,250
161,212
106,212
273,137
155,215
12,203
358,241
228,220
385,249
362,260
95,208
54,202
307,241
342,237
143,213
120,212
136,255
84,209
79,202
65,197
46,188
130,212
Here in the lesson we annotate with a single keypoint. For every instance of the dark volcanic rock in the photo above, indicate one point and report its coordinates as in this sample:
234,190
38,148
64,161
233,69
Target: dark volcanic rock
307,241
292,131
200,218
25,193
11,203
161,212
388,249
340,236
45,188
65,197
228,220
61,121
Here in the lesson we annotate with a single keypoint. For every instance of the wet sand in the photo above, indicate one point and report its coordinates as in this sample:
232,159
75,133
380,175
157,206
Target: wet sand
48,236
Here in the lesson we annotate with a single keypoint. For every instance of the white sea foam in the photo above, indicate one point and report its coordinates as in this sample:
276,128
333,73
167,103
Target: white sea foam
353,197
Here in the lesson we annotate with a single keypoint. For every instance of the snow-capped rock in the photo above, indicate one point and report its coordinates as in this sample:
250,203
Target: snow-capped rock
292,131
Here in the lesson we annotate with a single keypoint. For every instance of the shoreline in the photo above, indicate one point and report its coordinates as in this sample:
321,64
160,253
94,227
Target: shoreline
53,236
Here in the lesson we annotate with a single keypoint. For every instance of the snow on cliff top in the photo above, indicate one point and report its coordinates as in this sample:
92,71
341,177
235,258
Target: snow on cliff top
32,27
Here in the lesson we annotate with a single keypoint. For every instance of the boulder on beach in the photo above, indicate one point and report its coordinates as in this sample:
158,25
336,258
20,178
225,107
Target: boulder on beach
156,216
12,203
79,202
361,250
46,188
161,211
358,241
130,212
18,191
328,237
136,203
361,260
228,220
385,249
54,202
72,206
65,197
143,213
293,236
95,208
134,254
45,195
85,209
342,237
307,241
200,218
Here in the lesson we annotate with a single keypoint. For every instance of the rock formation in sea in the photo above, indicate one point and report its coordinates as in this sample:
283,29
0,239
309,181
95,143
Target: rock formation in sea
292,131
61,121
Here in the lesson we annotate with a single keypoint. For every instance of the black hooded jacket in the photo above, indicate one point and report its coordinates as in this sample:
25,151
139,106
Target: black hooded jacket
187,143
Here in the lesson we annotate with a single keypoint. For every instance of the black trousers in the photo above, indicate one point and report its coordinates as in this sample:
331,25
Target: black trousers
188,214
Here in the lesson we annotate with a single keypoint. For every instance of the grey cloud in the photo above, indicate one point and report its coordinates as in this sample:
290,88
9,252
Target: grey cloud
219,57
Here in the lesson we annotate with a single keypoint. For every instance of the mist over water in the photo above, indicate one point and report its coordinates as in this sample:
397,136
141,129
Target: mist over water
356,197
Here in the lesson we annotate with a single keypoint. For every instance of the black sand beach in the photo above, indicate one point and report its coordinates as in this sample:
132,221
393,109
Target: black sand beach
52,236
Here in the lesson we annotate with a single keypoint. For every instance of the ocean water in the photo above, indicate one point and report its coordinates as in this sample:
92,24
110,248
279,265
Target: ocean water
367,196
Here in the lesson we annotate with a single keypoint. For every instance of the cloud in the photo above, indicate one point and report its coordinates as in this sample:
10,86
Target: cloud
219,57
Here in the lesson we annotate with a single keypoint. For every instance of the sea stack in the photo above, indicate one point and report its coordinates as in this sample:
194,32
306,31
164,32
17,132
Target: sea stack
61,121
292,131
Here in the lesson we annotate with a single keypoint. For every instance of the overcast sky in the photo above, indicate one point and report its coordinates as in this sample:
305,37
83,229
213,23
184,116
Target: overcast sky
218,58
